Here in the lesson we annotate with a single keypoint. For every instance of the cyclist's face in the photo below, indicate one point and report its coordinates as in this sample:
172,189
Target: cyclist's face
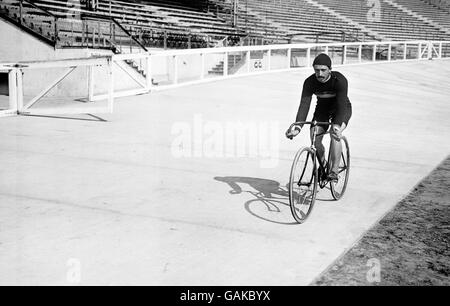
322,73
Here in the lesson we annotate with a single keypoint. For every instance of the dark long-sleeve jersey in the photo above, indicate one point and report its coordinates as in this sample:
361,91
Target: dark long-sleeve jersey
331,96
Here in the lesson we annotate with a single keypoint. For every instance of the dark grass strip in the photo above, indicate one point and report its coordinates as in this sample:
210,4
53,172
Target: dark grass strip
410,245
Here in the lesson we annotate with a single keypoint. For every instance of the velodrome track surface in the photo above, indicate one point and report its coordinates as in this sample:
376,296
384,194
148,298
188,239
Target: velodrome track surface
112,195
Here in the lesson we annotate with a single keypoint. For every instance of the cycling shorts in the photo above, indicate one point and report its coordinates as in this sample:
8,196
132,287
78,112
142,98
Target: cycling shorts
324,114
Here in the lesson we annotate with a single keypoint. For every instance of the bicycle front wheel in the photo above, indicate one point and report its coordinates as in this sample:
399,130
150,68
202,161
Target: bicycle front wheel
303,184
338,189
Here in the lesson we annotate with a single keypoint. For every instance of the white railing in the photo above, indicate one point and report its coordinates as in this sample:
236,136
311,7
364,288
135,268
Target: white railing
172,68
159,70
59,87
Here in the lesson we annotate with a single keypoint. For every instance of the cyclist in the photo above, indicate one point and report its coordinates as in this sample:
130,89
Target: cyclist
333,104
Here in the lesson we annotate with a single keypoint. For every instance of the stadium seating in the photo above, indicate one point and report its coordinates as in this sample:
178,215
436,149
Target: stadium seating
302,18
169,24
209,23
258,29
393,23
440,4
436,13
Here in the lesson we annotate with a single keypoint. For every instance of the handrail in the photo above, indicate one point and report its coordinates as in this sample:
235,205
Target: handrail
52,40
56,21
93,17
128,33
40,8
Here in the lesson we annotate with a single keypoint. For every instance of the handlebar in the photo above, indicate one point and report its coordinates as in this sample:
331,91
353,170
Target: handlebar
313,123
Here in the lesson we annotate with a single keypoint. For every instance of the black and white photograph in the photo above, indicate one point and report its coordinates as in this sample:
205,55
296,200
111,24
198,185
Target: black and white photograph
225,148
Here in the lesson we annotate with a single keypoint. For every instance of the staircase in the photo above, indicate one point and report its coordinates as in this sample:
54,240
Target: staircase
31,19
235,62
136,67
95,32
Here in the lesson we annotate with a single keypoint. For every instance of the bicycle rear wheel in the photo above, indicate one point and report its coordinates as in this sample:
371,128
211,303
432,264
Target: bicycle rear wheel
338,189
303,184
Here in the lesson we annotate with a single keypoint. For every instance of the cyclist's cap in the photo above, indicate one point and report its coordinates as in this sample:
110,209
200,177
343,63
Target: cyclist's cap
322,59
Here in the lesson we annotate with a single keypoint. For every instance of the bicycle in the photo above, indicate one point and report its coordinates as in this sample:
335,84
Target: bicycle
304,177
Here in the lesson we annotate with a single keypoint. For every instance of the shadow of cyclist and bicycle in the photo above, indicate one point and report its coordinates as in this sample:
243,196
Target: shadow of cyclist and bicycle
271,200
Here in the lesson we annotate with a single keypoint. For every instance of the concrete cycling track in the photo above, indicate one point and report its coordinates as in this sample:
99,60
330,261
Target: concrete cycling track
111,200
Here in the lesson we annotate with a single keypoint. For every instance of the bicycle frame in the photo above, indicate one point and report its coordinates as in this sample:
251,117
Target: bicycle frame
315,133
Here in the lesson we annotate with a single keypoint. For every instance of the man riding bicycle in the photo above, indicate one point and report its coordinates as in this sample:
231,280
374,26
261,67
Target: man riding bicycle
333,104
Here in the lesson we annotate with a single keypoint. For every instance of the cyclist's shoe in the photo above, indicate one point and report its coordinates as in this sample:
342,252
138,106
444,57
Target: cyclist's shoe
333,177
321,171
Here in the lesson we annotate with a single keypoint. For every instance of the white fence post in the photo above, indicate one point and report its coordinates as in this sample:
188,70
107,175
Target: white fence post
308,57
111,85
175,71
405,49
202,72
389,52
344,55
19,89
360,54
430,50
374,54
148,76
225,64
12,81
289,54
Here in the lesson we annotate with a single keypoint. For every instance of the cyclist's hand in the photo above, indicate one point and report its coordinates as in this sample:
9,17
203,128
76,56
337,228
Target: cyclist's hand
291,133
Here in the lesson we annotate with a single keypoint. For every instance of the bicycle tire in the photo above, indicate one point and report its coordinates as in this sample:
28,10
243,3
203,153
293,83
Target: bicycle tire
303,184
338,189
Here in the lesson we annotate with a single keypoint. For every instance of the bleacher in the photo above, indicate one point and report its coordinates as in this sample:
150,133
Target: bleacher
167,15
439,4
257,27
206,23
393,23
168,24
302,18
438,12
